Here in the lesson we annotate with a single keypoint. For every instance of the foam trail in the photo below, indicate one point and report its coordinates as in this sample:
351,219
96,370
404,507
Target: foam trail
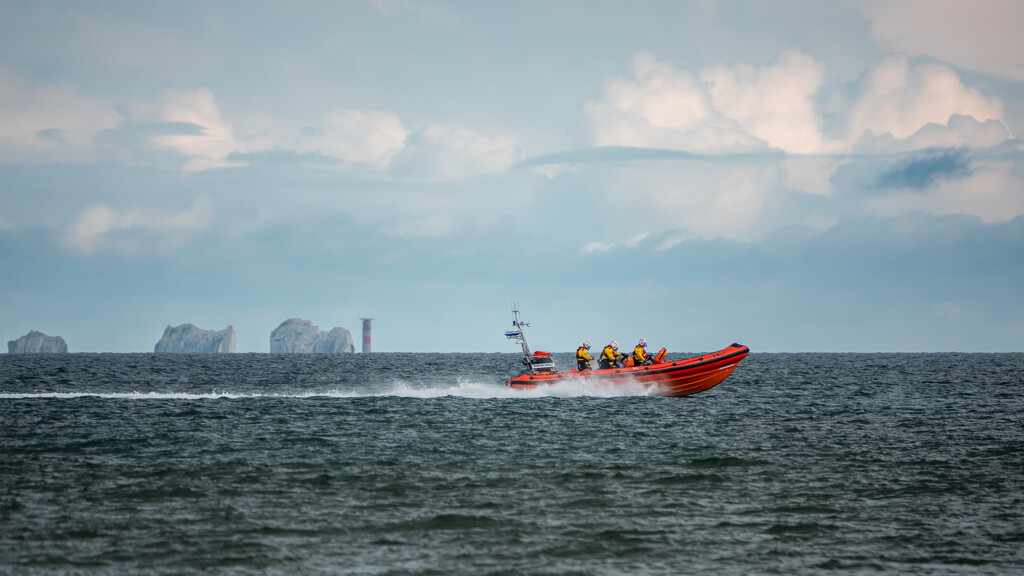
578,387
462,388
145,395
569,388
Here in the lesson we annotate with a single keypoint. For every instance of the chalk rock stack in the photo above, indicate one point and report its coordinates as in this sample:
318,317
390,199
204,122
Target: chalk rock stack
300,336
187,338
37,343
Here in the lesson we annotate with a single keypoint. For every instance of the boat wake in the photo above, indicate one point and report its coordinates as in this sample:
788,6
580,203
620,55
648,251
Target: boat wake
570,388
462,388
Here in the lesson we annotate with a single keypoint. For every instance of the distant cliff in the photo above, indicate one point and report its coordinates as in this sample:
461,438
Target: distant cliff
298,335
187,338
37,342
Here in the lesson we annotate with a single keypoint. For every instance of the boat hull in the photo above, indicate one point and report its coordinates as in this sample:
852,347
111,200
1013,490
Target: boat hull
671,378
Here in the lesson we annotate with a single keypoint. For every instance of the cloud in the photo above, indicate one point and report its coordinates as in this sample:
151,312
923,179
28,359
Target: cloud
429,227
352,138
982,195
377,140
608,154
900,100
733,186
811,174
53,134
663,108
959,131
357,137
444,153
186,129
748,110
209,141
982,35
141,144
922,171
737,109
190,123
988,189
774,103
44,123
983,183
279,157
638,203
101,228
597,246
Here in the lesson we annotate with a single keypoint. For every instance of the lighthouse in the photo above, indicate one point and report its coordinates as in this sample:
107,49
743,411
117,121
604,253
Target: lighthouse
366,335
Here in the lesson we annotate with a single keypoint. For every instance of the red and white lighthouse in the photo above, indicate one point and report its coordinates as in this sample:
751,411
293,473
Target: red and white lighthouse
366,335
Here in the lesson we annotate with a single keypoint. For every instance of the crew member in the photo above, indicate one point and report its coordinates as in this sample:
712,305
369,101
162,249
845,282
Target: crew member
640,355
610,356
583,357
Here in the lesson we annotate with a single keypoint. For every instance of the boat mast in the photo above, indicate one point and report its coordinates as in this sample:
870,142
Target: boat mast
517,332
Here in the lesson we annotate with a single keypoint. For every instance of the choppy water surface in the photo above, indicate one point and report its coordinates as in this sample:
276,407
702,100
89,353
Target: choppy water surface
427,464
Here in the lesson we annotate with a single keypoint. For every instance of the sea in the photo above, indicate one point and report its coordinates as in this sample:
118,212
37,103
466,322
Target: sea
426,464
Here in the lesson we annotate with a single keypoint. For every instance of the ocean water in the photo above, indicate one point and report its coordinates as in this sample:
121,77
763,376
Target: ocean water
396,464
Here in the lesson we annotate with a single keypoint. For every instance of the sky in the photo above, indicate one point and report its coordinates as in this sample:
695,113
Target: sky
796,176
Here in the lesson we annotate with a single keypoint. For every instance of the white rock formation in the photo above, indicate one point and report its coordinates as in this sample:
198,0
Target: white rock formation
187,338
300,336
37,342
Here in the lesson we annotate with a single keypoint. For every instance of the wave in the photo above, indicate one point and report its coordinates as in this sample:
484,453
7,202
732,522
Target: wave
575,388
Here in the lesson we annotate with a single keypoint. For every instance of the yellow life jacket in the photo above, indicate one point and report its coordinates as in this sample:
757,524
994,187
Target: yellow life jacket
639,355
609,354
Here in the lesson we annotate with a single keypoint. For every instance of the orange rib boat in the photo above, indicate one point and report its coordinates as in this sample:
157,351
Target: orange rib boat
667,378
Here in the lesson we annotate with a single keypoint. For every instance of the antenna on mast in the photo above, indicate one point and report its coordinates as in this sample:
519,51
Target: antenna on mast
538,363
516,333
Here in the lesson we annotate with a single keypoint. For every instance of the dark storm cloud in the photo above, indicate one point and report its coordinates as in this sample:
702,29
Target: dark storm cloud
920,171
52,134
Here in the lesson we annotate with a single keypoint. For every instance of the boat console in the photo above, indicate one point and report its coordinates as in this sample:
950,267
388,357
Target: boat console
540,363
